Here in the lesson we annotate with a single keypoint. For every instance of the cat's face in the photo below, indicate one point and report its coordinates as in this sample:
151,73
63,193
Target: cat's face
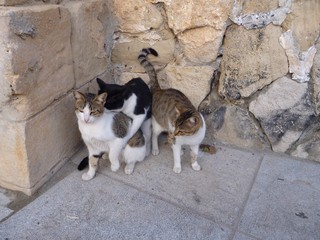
89,107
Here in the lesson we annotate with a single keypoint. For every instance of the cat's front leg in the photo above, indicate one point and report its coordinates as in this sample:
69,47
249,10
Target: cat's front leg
194,155
93,166
176,158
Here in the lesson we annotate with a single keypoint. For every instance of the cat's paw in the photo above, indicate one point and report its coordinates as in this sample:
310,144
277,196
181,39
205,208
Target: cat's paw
177,169
115,167
87,177
155,152
128,169
196,166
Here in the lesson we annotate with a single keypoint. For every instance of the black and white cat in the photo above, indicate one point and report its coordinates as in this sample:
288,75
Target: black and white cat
106,132
134,99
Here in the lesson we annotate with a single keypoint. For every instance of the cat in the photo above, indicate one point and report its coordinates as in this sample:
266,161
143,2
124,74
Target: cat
133,99
173,112
106,131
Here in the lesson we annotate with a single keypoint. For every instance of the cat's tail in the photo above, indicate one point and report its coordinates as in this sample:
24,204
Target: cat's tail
149,67
83,164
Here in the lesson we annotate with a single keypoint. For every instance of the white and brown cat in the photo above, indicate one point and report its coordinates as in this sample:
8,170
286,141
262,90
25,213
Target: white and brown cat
105,132
173,112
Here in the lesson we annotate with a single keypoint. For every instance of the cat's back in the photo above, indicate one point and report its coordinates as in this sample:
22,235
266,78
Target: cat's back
166,100
139,88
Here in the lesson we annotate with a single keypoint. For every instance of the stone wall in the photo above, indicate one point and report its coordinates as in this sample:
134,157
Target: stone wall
47,50
252,67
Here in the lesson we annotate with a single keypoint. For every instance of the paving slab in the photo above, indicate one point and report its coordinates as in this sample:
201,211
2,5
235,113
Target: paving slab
104,208
285,201
217,192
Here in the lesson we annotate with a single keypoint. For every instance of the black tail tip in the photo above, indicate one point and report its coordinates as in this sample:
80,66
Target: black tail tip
83,164
151,51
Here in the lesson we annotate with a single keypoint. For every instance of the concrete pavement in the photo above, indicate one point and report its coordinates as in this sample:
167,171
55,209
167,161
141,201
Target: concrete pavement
239,195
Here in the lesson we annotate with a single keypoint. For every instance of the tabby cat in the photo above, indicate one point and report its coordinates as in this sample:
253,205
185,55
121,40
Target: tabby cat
105,131
173,112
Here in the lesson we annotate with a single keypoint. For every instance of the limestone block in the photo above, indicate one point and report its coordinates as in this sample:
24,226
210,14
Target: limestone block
12,2
33,150
233,125
304,22
127,76
284,111
136,16
251,60
201,45
126,53
183,15
308,145
254,6
315,78
89,28
259,19
300,63
36,59
193,81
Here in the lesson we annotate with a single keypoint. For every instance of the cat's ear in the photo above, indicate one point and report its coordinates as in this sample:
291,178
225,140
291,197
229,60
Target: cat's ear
78,95
101,83
177,112
101,98
192,121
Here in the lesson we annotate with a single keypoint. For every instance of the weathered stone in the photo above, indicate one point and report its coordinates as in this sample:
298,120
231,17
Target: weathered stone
12,2
284,111
89,28
127,76
189,14
304,22
308,145
299,63
33,150
126,53
201,45
259,61
36,59
193,81
136,16
315,78
256,6
261,19
233,125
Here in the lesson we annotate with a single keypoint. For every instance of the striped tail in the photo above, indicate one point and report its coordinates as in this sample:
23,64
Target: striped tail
149,67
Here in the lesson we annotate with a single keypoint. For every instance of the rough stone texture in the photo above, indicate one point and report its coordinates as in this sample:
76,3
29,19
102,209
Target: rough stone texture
89,27
126,53
11,2
183,15
193,81
233,125
36,62
315,78
308,145
259,61
136,16
201,45
127,76
300,63
261,19
284,111
32,150
304,22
